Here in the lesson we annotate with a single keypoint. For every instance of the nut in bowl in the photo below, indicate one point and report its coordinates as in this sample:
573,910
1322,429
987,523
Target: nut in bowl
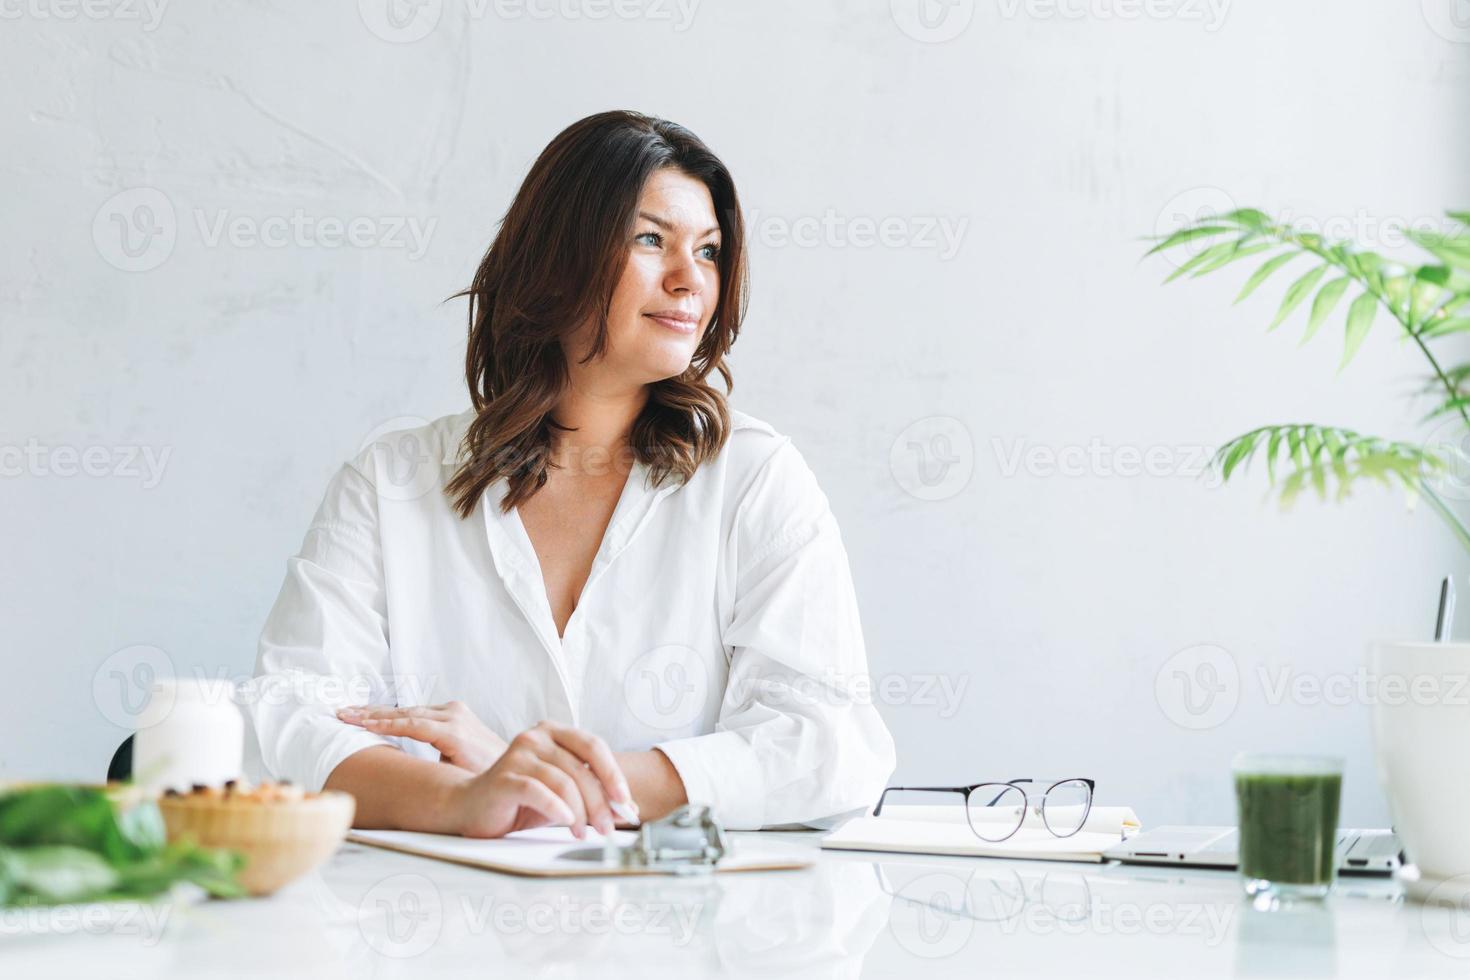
282,832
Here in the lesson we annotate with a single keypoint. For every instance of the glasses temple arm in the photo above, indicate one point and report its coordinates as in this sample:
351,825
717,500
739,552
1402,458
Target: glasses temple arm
914,789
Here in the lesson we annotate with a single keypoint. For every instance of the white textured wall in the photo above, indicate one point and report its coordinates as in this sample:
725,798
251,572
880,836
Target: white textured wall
1044,139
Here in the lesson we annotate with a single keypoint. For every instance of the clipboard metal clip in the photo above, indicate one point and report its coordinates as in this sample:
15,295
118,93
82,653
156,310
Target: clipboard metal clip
688,837
687,841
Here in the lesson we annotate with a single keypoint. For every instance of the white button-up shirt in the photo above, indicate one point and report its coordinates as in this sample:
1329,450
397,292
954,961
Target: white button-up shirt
718,623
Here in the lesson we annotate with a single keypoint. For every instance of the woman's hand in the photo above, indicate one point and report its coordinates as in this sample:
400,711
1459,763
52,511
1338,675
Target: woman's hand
461,738
549,775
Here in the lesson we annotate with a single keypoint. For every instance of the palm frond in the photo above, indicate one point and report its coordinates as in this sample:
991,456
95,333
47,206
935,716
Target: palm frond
1428,300
1451,390
1301,456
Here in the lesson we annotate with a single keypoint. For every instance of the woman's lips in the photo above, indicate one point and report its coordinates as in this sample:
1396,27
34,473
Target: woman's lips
678,326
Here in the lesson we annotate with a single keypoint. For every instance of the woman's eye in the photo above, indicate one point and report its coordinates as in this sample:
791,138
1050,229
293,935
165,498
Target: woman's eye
711,252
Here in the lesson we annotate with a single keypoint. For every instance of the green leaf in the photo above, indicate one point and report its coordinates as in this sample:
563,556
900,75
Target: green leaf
1238,452
1453,251
1437,274
1367,261
1187,235
1271,454
1318,473
1337,448
1294,444
1450,406
1295,293
1292,487
8,885
1312,442
1423,298
79,816
1360,318
1463,217
1208,255
1324,303
60,873
1260,275
1249,217
1438,328
214,871
141,832
1239,252
1397,290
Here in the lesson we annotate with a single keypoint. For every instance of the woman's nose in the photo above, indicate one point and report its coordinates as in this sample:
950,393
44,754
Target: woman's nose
682,276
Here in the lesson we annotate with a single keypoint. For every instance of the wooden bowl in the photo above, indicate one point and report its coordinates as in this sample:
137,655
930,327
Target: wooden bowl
281,840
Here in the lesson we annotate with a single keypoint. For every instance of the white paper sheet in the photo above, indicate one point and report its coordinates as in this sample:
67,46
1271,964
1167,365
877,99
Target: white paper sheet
540,852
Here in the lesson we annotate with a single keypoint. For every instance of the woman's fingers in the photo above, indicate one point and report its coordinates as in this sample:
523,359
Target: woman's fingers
411,723
461,738
595,753
436,712
593,797
587,761
423,729
576,767
536,795
563,785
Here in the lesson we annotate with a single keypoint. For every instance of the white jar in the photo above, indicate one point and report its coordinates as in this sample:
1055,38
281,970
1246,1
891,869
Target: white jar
1421,725
190,732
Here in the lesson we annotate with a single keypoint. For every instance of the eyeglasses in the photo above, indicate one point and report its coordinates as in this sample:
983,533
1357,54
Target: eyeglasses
995,811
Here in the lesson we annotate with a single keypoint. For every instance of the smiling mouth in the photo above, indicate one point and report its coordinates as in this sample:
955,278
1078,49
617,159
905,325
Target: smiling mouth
678,326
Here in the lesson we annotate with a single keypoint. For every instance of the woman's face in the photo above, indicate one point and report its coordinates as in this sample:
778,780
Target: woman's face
669,287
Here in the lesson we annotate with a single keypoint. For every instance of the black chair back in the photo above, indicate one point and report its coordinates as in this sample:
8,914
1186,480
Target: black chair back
120,769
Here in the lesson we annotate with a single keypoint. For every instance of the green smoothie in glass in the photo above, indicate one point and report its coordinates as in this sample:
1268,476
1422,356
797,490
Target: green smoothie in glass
1287,808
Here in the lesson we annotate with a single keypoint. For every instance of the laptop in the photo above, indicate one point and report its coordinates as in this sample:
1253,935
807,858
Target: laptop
1358,851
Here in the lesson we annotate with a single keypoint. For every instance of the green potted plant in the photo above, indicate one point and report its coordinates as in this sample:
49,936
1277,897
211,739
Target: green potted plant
1420,732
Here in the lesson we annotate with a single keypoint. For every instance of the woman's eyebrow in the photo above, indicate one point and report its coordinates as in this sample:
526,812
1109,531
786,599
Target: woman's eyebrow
664,224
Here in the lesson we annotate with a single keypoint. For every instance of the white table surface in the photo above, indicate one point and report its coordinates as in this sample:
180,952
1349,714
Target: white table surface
371,913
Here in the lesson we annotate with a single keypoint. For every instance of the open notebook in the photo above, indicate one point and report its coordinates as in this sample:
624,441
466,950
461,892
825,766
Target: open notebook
944,830
541,852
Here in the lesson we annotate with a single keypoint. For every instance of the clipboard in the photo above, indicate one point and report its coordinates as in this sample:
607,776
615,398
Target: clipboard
686,842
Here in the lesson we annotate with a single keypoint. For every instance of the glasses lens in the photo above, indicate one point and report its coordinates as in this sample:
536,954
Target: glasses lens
996,810
1065,808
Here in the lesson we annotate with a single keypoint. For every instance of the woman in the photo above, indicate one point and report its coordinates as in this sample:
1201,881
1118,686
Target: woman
600,584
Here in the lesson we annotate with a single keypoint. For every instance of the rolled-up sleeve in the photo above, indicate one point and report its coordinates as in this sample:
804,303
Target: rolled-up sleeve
798,740
325,642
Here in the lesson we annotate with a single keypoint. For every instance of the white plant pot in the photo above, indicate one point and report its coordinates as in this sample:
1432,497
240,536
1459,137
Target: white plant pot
1421,738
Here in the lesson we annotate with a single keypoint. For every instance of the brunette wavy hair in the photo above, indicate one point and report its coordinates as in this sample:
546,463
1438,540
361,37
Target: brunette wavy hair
553,266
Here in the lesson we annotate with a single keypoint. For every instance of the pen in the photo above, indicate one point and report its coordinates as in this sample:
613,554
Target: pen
1444,623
